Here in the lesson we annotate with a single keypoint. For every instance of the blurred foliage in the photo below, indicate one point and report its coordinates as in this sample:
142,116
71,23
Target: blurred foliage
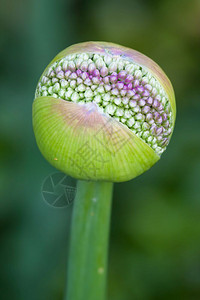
155,228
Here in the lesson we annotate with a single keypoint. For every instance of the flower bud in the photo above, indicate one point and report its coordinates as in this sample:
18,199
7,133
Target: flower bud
103,112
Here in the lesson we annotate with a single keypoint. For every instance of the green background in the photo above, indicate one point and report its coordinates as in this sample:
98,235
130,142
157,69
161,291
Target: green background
155,229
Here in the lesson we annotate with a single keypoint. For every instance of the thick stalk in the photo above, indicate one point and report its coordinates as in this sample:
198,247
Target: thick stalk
87,268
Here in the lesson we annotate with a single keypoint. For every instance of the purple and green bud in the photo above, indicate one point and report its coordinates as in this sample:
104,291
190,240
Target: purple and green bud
90,84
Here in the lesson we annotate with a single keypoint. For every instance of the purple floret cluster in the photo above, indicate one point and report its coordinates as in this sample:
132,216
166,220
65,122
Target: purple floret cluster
121,89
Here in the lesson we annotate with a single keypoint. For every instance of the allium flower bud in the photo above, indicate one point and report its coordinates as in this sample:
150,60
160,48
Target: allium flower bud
103,112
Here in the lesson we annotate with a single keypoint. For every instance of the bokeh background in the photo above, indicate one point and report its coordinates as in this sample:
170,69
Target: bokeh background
155,228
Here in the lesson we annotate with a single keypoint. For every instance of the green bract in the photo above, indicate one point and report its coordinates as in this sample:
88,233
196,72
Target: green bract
103,112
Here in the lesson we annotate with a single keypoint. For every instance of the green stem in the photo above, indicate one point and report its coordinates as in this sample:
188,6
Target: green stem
87,267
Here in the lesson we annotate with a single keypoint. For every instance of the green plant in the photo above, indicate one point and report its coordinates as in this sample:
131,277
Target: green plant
102,113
